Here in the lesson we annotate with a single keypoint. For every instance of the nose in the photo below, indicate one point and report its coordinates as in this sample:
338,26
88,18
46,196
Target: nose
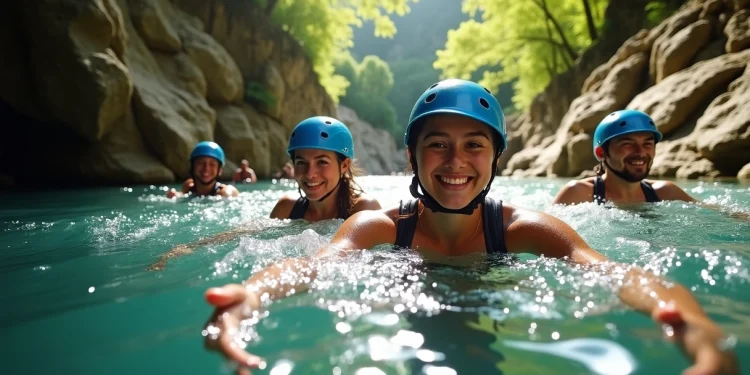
455,159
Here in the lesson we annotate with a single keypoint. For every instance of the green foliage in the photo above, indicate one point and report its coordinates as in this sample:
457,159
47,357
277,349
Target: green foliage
372,80
411,78
256,93
526,42
374,77
657,11
324,28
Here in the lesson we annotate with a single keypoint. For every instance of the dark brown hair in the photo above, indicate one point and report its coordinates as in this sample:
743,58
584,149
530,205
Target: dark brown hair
349,190
345,202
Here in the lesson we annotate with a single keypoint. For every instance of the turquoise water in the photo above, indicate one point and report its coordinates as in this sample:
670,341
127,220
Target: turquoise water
77,300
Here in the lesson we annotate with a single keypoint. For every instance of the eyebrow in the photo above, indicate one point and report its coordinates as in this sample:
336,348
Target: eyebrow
316,157
443,134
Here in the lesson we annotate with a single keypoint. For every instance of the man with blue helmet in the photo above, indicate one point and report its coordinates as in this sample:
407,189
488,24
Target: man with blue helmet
454,138
625,146
322,153
206,165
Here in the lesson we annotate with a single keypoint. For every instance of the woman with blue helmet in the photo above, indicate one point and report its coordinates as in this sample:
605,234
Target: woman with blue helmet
322,153
206,164
625,147
454,137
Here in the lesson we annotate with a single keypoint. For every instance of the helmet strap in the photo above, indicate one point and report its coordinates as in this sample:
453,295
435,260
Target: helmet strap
330,192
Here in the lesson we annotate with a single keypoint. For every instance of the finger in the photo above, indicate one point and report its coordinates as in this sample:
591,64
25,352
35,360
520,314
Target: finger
707,362
243,371
235,353
225,296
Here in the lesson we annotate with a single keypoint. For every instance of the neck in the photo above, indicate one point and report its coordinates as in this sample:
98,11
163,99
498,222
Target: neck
619,188
328,208
450,230
202,189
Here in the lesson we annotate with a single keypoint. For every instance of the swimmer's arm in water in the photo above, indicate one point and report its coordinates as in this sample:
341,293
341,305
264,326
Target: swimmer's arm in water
186,186
574,192
228,191
670,191
363,230
180,250
694,331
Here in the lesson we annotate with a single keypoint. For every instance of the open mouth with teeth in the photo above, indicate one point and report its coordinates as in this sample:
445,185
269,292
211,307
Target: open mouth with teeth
454,182
312,186
637,162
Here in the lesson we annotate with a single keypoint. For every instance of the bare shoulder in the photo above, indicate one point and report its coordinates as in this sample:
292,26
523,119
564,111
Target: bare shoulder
669,191
229,191
576,191
283,207
367,229
540,233
366,202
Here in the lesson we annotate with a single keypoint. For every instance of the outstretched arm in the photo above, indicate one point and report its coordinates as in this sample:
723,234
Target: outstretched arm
216,239
672,305
234,302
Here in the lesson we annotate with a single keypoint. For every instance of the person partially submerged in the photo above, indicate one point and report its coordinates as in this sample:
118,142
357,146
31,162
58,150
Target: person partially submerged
455,135
206,164
322,149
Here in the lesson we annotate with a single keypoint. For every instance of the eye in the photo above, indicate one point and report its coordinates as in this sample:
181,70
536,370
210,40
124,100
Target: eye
474,145
300,162
322,162
437,145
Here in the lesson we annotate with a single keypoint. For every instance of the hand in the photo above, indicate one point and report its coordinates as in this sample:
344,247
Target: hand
700,340
171,193
233,303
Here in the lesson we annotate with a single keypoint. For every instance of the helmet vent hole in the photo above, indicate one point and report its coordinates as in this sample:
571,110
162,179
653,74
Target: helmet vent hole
652,123
433,85
293,134
623,123
323,135
484,103
430,98
328,122
488,91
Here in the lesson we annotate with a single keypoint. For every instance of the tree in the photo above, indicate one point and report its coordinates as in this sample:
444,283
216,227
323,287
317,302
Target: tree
521,41
324,29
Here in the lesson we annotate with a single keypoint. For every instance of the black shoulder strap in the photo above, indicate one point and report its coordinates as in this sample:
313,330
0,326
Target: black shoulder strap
406,224
494,228
217,187
599,193
299,209
649,192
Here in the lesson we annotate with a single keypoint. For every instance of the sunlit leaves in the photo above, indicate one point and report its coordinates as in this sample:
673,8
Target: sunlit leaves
521,41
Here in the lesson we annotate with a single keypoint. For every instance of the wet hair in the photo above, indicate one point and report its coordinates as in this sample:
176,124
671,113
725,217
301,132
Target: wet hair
345,201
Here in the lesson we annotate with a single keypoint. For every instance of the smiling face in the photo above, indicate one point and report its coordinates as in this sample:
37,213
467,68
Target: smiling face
454,155
631,155
318,171
206,170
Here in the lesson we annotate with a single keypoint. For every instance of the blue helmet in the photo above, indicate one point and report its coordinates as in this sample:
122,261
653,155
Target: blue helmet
460,97
623,122
322,133
206,148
